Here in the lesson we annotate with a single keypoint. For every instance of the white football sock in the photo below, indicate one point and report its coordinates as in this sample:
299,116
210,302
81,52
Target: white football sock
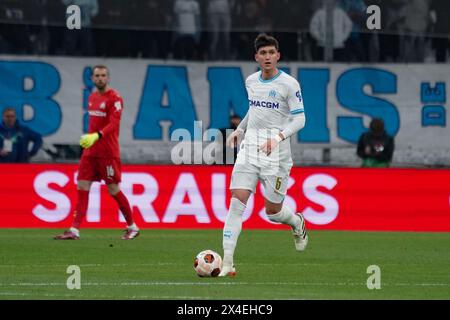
285,216
133,227
232,229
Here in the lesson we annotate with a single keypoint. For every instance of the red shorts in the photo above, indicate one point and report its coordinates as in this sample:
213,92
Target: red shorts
97,169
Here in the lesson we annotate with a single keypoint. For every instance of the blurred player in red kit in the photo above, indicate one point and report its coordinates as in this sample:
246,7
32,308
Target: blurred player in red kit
101,154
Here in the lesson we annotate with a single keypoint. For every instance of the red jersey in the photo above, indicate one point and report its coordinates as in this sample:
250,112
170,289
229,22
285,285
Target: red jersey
105,111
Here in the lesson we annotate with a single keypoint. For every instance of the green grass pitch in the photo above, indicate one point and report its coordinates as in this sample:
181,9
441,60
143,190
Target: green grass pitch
159,265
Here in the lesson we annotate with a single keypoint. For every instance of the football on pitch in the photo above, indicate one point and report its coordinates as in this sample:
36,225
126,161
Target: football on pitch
208,263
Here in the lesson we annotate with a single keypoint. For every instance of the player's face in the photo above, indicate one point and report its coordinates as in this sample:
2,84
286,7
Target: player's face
267,57
100,77
9,118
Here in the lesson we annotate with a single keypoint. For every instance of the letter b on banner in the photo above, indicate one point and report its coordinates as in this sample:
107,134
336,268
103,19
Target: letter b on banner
33,84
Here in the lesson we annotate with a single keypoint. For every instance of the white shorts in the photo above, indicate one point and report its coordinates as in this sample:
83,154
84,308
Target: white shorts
247,176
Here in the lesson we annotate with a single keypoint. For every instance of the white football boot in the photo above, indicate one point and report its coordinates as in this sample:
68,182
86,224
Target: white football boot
300,236
228,269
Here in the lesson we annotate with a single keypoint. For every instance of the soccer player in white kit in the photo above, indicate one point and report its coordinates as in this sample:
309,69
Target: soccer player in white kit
275,113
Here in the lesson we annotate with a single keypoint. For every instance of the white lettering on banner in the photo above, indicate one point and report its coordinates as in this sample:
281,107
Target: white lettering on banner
219,198
186,185
144,200
288,201
93,211
330,204
62,202
187,189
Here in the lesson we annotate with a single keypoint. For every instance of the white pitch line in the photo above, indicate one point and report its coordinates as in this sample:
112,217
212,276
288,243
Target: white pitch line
52,295
162,283
171,264
184,264
91,265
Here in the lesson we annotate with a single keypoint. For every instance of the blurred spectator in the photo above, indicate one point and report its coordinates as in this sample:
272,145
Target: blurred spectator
228,153
251,20
342,27
219,28
186,29
415,20
82,38
440,10
358,42
14,36
376,147
56,26
152,17
112,33
36,13
15,139
389,37
291,18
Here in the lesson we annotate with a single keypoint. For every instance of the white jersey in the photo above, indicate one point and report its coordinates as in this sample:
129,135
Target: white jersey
271,104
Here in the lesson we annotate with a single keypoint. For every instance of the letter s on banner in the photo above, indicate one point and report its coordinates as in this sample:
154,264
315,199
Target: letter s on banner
61,201
328,202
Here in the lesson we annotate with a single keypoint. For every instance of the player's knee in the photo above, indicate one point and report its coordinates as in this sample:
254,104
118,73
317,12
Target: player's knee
113,189
273,208
241,195
84,185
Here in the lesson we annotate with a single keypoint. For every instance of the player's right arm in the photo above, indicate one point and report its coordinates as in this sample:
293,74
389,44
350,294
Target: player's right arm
243,124
237,134
242,127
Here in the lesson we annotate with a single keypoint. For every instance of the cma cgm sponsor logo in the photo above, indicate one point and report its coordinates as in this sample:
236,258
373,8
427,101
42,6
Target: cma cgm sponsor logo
264,104
186,197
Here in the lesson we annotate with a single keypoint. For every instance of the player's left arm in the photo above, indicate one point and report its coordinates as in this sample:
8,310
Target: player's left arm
114,120
89,139
297,110
295,103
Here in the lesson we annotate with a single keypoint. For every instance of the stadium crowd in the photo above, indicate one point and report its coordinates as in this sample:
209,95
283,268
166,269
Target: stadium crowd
209,30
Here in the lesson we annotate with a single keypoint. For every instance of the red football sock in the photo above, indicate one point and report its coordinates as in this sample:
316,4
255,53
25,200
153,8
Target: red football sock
124,206
82,205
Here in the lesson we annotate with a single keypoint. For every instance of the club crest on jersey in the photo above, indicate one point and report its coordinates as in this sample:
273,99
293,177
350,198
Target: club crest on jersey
118,105
102,105
272,93
299,96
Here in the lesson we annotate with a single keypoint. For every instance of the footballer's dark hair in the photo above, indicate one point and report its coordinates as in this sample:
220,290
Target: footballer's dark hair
100,66
377,126
264,40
